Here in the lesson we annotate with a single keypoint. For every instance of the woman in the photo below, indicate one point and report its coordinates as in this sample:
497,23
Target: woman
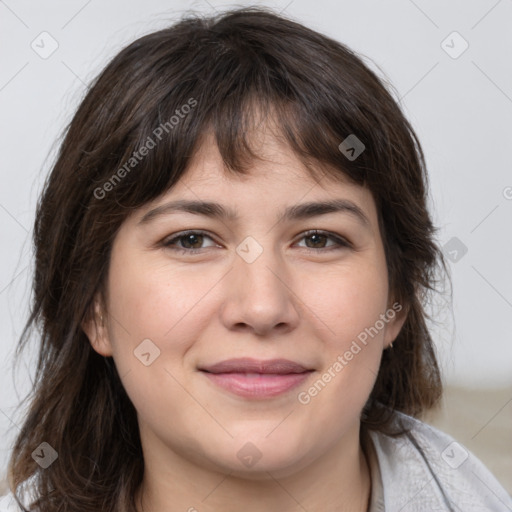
233,255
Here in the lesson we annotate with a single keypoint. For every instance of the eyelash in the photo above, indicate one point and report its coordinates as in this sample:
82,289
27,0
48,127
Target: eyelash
340,242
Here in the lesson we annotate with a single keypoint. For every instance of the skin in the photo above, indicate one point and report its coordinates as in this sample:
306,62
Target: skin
298,300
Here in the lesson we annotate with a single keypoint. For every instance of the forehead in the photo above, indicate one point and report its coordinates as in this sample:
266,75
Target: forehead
276,165
278,186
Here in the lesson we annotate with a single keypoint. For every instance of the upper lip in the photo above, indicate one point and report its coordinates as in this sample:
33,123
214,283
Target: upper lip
249,365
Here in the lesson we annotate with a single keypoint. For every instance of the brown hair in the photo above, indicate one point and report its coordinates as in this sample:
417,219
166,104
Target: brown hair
224,68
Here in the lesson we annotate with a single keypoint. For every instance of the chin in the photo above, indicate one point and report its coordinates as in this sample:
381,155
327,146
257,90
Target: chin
254,460
269,470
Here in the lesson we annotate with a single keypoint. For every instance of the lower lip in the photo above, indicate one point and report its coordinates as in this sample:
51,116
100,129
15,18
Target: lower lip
259,386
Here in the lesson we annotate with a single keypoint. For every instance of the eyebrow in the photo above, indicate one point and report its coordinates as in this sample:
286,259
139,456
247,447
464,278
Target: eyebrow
295,212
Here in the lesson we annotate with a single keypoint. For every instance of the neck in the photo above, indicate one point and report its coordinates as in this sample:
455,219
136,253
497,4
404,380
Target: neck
337,481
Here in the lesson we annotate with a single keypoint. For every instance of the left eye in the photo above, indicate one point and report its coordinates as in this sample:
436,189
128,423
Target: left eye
320,236
189,241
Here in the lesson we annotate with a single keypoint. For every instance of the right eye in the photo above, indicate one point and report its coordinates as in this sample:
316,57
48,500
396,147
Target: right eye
186,238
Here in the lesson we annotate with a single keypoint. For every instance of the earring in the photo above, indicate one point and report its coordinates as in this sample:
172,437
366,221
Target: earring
391,345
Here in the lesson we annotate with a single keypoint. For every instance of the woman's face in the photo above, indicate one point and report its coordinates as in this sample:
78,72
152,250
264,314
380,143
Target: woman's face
258,287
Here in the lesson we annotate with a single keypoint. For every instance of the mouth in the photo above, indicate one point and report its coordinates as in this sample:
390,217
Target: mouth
252,378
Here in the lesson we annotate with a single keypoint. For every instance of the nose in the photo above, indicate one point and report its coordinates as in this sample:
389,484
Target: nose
259,297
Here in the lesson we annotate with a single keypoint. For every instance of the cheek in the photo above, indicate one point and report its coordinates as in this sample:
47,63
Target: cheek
156,301
163,305
347,301
352,348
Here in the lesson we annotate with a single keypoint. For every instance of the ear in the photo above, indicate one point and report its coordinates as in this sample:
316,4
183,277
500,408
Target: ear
95,327
396,314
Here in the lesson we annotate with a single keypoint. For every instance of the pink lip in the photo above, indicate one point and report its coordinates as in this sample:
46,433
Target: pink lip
252,378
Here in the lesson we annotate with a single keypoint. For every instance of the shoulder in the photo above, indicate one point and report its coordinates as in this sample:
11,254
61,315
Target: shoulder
8,504
426,469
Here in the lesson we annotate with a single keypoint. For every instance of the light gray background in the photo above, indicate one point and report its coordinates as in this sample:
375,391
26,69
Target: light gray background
460,107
